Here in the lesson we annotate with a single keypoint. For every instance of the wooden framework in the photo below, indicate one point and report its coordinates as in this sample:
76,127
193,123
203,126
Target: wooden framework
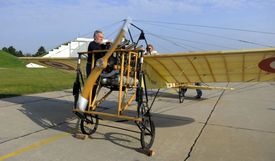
127,57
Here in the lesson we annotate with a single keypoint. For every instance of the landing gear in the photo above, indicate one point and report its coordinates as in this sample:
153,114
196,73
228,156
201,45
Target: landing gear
146,126
182,92
147,135
89,124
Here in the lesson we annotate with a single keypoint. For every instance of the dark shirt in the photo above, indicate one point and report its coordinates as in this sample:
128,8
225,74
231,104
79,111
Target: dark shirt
95,46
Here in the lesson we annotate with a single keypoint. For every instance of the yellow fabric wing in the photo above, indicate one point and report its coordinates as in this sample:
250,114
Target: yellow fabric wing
220,66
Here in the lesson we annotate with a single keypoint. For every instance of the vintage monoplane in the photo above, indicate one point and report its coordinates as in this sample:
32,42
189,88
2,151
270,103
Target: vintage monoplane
126,70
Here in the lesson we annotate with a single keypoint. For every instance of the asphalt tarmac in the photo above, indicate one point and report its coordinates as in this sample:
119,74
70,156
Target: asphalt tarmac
236,125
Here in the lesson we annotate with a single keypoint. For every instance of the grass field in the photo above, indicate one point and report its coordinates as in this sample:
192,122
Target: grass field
16,79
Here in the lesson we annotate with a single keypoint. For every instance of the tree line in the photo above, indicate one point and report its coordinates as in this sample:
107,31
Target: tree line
40,52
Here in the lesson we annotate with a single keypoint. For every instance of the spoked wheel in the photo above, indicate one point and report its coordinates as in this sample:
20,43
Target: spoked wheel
181,94
147,136
89,124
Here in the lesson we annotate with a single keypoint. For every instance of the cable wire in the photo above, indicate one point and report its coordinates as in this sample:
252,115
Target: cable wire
165,38
213,35
172,42
206,26
200,42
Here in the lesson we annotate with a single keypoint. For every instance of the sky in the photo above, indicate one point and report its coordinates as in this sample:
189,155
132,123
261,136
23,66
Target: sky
170,25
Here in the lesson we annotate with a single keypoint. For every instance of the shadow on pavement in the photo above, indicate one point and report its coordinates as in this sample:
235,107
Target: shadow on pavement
56,113
51,112
45,112
8,95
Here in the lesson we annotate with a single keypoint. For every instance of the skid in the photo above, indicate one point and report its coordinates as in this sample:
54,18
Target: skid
110,115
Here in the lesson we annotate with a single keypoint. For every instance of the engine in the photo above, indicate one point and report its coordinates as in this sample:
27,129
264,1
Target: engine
111,75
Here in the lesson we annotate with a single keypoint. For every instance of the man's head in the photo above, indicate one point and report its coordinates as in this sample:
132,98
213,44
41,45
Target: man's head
150,48
98,36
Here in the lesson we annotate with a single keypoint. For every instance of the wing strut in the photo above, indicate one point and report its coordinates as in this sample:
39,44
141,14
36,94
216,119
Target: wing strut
146,95
154,99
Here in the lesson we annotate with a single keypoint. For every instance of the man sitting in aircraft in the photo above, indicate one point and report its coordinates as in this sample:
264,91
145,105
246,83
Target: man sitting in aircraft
97,44
150,50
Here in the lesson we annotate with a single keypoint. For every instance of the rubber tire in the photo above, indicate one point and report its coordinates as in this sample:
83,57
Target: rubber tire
143,134
92,130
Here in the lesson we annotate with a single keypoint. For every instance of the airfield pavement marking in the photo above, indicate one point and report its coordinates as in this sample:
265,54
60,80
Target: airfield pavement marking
35,145
40,143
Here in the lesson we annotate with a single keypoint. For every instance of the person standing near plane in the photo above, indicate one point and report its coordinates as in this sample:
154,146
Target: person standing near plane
97,44
150,50
199,91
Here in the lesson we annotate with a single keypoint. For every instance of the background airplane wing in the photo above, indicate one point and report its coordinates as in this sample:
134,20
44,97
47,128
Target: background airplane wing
68,64
222,66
